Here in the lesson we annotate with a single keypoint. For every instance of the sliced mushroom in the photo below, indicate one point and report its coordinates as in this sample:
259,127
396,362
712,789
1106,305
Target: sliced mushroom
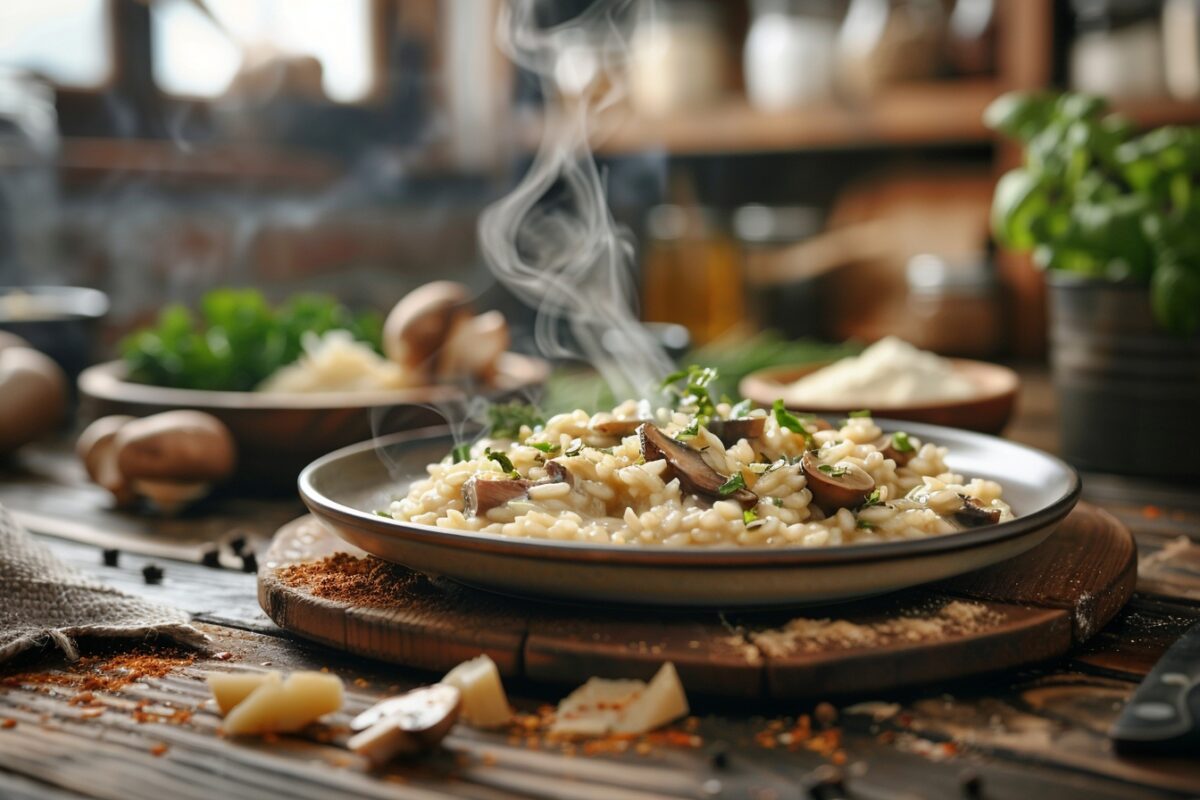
886,444
558,473
417,327
96,448
481,495
730,431
694,473
840,486
472,347
33,396
174,457
974,515
406,725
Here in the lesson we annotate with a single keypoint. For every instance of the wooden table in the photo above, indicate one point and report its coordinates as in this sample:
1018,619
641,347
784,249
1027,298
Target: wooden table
1036,733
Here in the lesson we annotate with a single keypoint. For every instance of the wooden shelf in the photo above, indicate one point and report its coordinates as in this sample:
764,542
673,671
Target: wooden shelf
1156,112
948,112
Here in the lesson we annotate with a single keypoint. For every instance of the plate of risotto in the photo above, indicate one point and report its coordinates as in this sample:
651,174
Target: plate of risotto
692,502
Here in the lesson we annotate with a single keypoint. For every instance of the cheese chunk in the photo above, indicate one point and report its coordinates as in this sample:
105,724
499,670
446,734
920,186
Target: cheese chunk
286,707
484,703
662,702
231,688
602,706
595,708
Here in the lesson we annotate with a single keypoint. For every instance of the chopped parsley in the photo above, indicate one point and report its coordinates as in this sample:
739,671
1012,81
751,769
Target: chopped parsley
859,414
694,393
574,452
834,471
778,501
545,447
384,514
789,421
504,462
740,410
748,516
735,483
864,525
507,419
872,499
690,432
901,443
460,453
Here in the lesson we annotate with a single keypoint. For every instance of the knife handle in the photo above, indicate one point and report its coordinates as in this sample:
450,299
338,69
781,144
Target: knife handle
1164,713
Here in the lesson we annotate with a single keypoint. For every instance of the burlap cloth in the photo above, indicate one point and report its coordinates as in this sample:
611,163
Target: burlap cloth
43,600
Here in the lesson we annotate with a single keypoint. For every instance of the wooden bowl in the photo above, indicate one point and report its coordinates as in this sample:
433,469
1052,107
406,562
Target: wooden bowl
278,434
988,411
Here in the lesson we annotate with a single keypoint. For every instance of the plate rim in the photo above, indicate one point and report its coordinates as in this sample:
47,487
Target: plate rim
699,557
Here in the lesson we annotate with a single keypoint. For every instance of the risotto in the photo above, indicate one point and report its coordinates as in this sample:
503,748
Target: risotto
676,477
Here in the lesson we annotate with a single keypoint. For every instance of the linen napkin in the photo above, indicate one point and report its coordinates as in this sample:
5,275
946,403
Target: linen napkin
44,600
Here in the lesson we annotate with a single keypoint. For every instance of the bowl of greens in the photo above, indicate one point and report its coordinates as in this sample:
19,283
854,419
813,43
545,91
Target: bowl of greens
295,381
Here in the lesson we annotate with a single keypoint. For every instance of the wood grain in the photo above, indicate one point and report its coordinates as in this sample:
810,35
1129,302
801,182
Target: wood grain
1026,610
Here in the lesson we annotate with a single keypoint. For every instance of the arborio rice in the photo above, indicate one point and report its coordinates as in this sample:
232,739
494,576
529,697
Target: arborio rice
573,482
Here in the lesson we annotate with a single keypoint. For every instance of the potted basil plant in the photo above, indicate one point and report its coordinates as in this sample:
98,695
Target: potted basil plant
1113,217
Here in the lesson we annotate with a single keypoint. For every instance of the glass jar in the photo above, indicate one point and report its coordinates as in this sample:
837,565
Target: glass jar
884,42
1118,48
678,57
789,53
690,273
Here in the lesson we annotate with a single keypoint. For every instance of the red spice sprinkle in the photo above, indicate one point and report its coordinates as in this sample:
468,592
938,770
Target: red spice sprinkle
8,724
159,749
1151,512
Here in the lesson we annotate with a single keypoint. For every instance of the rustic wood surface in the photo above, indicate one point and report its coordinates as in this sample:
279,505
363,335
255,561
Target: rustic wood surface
1019,734
1030,608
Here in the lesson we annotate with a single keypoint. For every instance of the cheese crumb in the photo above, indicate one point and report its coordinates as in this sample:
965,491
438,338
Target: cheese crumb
484,703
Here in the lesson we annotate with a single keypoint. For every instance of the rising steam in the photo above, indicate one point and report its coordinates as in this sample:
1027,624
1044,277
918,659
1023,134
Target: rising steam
552,241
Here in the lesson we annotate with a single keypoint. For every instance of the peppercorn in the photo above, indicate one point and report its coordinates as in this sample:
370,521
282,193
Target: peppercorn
249,562
152,574
111,556
211,557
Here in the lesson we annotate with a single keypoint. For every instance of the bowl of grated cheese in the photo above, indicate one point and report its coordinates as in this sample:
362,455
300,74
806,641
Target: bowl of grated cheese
893,379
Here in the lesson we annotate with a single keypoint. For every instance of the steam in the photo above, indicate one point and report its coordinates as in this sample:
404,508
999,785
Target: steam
552,241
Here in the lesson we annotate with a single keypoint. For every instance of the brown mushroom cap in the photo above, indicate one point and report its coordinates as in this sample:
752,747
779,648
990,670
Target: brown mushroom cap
96,448
694,473
473,346
33,396
831,492
418,325
8,340
405,725
188,446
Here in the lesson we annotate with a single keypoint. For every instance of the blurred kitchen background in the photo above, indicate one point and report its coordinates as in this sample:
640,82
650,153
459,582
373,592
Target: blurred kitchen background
817,167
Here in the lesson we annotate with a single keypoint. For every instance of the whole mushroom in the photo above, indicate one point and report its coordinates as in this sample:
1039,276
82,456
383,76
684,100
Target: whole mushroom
175,457
33,394
473,346
417,327
97,450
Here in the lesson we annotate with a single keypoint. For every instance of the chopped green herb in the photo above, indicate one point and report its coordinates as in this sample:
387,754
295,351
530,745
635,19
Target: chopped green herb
460,453
503,460
789,421
760,468
735,483
694,393
740,410
748,516
778,501
382,513
872,499
507,419
864,525
833,471
545,447
859,414
901,443
690,432
573,452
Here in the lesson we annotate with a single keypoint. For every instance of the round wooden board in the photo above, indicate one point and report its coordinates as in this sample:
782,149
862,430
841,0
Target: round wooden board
1034,607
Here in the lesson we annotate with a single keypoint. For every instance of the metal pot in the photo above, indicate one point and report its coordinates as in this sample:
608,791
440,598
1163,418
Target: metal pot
1129,391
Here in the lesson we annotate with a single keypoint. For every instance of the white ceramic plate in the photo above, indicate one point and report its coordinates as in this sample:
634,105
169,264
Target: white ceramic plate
343,489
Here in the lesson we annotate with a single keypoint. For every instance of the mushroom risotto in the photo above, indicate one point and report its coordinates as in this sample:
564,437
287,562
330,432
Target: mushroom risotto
701,473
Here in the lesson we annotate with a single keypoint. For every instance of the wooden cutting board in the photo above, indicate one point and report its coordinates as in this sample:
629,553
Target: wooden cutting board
1028,609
